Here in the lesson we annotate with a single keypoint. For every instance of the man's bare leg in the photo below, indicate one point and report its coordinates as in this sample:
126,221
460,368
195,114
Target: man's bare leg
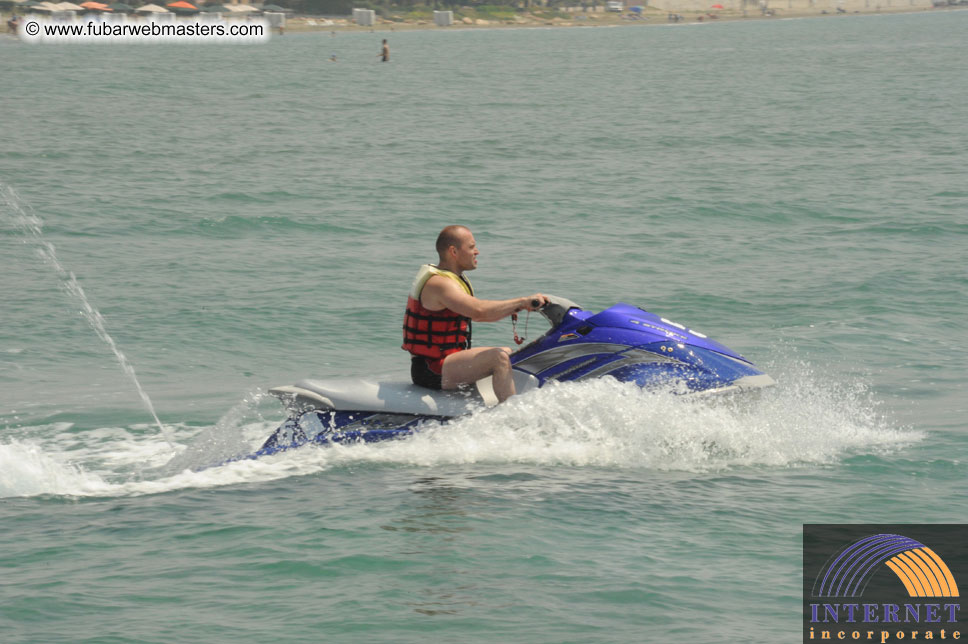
465,367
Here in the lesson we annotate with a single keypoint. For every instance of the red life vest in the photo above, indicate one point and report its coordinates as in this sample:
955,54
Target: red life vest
434,334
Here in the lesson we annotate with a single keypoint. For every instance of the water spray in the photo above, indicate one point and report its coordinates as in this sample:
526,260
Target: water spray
32,228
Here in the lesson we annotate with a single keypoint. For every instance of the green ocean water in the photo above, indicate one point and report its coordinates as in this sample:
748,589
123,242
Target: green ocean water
240,217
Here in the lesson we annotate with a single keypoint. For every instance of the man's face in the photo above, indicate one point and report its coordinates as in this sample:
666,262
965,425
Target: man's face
467,252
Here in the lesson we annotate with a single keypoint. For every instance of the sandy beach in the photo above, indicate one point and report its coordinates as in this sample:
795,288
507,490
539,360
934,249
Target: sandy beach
676,12
650,16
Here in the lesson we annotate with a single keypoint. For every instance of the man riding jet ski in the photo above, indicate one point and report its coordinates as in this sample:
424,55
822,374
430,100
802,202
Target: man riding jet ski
438,317
623,341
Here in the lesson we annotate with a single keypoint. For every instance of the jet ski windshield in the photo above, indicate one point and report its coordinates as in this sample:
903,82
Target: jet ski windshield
556,309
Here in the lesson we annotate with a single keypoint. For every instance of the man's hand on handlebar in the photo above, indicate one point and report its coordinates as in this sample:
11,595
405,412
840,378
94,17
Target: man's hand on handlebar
537,302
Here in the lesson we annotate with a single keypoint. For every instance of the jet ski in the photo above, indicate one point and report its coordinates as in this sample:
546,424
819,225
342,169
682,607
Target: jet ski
623,342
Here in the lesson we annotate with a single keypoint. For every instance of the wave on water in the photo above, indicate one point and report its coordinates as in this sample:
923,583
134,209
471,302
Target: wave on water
803,421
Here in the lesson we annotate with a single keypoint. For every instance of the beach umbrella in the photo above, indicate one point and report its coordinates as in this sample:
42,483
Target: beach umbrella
95,6
151,8
274,8
214,8
120,6
69,6
182,7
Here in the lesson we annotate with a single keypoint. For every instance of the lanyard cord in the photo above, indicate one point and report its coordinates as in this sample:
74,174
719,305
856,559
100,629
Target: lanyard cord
514,327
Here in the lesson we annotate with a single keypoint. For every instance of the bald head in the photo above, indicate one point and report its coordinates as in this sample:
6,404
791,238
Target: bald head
451,236
457,249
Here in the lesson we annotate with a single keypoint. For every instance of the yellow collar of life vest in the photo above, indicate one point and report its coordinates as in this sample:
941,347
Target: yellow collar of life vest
429,270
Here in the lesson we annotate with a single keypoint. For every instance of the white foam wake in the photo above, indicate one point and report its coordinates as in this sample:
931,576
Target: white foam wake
804,421
614,425
26,470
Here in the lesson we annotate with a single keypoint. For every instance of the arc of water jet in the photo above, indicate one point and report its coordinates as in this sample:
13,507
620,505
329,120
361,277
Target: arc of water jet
32,227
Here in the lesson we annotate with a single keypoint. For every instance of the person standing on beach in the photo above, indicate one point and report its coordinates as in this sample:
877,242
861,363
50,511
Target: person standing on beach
385,52
437,321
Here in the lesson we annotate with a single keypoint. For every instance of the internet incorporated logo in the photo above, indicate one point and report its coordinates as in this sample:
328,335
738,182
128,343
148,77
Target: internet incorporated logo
922,572
891,572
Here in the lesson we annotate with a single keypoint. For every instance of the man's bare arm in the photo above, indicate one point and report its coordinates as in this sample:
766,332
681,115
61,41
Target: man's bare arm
443,293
